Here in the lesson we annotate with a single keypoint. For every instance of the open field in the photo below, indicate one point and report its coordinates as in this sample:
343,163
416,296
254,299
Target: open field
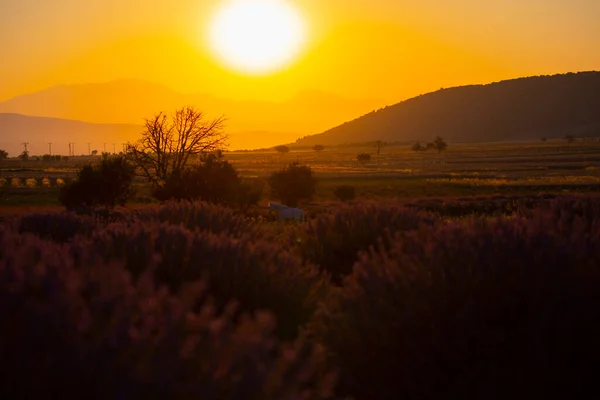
398,172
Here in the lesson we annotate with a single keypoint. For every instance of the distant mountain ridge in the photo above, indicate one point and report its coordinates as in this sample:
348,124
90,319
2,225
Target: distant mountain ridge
130,101
512,110
38,131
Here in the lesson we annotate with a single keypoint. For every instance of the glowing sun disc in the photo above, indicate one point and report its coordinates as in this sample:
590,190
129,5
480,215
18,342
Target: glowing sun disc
257,36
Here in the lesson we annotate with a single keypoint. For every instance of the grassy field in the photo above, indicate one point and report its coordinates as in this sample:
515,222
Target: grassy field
464,170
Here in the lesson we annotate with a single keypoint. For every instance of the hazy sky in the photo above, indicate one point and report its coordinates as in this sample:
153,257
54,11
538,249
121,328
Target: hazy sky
387,49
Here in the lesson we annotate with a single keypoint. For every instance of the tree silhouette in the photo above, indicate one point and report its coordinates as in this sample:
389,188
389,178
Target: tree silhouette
544,139
282,149
293,183
107,185
379,144
24,155
318,148
167,144
418,147
440,144
3,154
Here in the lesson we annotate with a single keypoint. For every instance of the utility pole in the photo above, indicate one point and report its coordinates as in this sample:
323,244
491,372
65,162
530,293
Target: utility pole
69,148
50,148
89,151
25,146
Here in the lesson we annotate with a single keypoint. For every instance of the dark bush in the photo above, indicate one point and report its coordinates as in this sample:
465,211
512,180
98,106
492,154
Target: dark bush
81,329
333,240
59,227
471,310
293,184
257,273
214,180
105,185
363,158
344,193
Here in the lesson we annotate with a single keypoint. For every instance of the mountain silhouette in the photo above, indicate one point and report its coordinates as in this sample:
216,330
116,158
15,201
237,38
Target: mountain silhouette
130,101
38,131
512,110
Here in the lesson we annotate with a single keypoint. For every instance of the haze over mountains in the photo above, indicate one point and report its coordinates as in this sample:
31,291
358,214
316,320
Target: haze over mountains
512,110
251,124
38,131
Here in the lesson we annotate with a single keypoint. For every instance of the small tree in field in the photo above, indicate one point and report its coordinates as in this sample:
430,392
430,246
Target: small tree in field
363,158
318,148
24,155
418,147
282,149
440,144
380,144
544,139
214,180
293,183
167,144
105,185
3,154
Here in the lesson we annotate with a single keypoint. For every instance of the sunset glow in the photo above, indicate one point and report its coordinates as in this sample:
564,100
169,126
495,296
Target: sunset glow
256,36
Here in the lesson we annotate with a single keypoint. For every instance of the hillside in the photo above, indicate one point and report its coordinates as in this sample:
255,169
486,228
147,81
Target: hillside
130,101
513,110
38,131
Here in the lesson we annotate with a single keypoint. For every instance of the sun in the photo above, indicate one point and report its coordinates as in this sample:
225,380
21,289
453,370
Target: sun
257,36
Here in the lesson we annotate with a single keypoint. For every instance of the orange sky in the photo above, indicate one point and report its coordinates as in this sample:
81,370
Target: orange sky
383,49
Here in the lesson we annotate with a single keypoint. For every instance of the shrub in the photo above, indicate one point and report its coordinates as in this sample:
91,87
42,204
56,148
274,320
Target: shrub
282,149
471,310
292,184
59,227
214,180
107,185
81,329
318,148
333,240
363,158
257,273
344,193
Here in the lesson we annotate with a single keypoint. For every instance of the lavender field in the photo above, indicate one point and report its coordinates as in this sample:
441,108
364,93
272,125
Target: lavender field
473,298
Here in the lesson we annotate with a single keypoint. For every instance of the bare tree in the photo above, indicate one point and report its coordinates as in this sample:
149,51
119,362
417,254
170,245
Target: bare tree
380,144
167,144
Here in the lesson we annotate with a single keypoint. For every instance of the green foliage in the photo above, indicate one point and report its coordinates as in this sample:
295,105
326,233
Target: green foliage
363,158
106,185
282,149
293,184
345,192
